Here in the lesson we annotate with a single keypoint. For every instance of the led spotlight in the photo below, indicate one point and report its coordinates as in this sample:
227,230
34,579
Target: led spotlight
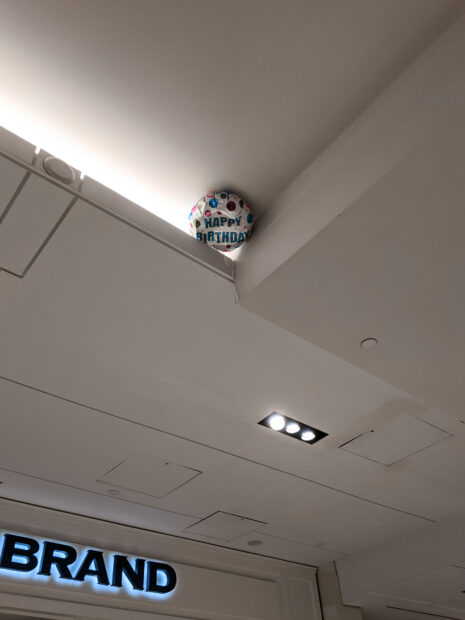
292,428
307,435
277,422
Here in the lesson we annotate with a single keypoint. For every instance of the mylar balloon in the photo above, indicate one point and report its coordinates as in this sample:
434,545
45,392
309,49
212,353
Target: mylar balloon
221,220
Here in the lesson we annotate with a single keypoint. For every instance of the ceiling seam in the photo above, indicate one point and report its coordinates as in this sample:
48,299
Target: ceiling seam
16,193
49,236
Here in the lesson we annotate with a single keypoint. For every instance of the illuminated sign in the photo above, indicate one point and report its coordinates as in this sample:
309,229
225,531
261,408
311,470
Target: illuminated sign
34,558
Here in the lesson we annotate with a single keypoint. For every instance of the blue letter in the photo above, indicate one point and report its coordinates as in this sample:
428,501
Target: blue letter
61,562
135,575
167,573
100,571
11,549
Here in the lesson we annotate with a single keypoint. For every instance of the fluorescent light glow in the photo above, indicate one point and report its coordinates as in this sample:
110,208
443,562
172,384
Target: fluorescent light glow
277,422
307,436
292,428
37,150
28,124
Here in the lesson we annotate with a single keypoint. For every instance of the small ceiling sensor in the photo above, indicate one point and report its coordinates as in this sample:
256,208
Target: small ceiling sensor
113,492
368,343
255,543
59,170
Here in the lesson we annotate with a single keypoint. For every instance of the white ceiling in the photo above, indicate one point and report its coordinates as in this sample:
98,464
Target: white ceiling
115,346
123,346
164,100
392,266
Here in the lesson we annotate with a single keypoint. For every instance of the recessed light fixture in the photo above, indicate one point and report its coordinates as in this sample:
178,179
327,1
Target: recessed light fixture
292,428
368,343
276,421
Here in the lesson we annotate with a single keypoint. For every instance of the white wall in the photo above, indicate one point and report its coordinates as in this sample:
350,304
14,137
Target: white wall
213,583
330,595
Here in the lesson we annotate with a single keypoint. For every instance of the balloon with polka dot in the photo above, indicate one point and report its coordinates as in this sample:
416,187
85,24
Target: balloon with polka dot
221,220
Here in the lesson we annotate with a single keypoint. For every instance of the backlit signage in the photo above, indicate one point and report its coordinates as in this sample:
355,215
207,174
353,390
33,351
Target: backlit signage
41,559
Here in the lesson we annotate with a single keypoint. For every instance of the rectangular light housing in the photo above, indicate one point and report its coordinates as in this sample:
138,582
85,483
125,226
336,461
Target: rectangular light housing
292,428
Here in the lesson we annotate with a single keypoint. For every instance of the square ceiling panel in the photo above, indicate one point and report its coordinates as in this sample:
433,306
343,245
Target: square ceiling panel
29,222
225,526
146,474
395,440
10,177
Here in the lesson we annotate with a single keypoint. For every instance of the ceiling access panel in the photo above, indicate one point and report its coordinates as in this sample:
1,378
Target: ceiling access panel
395,440
146,474
225,526
11,176
28,222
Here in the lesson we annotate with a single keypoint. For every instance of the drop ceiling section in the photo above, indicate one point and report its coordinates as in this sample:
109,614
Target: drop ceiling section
127,327
227,484
100,305
392,266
